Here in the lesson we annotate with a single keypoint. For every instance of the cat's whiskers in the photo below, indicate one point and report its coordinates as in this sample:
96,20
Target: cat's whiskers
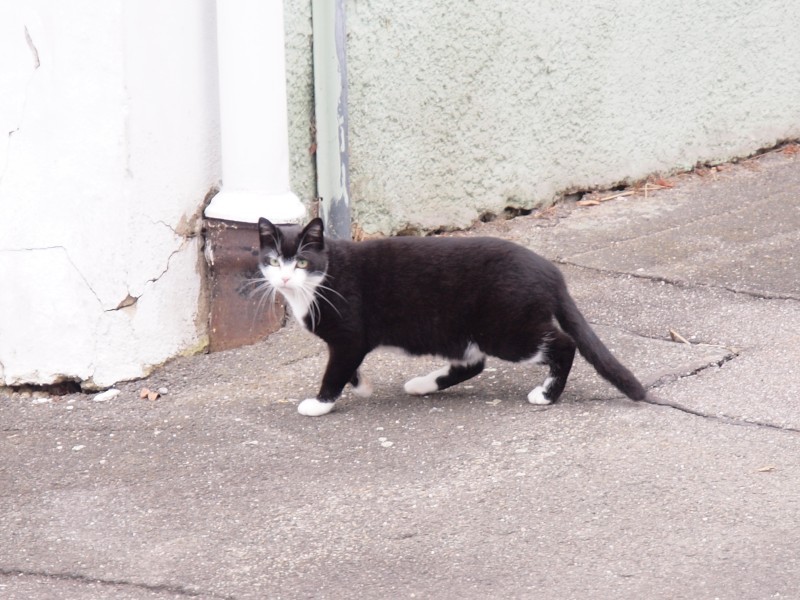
326,299
311,301
330,289
265,291
256,284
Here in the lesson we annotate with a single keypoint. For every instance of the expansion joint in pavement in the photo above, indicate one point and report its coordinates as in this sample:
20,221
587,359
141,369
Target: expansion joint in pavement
718,417
677,282
77,577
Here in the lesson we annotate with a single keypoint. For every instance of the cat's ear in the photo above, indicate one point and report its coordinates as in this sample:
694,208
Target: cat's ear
268,234
314,234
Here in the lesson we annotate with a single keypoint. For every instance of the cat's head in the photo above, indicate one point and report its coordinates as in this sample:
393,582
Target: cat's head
292,258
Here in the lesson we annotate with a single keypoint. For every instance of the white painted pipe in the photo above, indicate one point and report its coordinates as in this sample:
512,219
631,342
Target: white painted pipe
253,116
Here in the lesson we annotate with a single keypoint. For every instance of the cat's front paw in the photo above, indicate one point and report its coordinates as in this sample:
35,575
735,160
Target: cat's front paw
538,396
314,408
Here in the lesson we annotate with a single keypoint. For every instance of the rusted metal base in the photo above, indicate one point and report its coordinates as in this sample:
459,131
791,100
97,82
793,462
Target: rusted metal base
239,315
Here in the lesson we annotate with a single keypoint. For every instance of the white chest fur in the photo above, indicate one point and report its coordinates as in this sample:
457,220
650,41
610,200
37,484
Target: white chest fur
300,304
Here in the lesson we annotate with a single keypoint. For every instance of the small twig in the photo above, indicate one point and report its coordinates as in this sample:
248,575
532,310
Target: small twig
647,187
677,337
620,195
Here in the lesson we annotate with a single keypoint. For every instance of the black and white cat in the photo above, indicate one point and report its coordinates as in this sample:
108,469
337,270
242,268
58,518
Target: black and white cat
460,298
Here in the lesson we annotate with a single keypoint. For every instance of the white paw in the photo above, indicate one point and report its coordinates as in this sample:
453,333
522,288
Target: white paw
537,396
314,408
419,386
364,388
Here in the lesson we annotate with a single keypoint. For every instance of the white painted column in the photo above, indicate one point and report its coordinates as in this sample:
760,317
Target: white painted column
253,116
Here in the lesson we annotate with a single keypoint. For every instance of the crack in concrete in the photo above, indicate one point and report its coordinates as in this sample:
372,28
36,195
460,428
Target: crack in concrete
656,401
168,226
81,275
687,285
647,234
130,299
182,230
734,353
717,363
180,249
694,343
126,302
113,583
69,259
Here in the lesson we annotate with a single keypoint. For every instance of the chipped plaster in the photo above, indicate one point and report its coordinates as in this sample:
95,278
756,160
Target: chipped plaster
114,147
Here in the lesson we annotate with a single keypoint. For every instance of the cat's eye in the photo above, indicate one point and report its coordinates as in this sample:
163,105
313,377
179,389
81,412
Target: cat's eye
301,263
274,262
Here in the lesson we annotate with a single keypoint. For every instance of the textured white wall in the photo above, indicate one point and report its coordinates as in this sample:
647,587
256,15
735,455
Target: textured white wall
459,107
108,145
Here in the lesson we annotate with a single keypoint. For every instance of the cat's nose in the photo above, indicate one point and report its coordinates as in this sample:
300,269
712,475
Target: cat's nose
285,280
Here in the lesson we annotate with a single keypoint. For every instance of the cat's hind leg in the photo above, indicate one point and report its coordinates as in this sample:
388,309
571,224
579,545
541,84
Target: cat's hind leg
442,378
456,372
557,352
362,387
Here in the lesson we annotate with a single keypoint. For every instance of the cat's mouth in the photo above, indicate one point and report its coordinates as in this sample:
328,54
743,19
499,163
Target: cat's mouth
286,287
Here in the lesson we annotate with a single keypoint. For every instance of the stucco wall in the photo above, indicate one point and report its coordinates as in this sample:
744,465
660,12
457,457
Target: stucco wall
458,108
108,146
300,99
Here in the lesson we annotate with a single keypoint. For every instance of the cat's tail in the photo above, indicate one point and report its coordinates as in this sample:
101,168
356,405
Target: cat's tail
594,351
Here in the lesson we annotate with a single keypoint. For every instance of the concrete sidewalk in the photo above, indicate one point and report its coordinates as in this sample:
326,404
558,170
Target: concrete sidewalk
219,489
